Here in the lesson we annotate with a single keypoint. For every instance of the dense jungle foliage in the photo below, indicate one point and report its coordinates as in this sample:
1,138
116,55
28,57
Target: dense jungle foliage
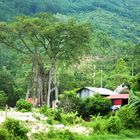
114,45
49,49
120,19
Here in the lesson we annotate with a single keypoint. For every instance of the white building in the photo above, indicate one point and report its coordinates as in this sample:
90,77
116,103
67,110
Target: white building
90,91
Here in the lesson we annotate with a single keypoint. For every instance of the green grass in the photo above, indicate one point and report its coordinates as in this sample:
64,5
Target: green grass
97,137
107,137
124,135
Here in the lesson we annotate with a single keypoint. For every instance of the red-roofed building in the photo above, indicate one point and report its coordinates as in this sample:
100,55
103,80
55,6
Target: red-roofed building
119,99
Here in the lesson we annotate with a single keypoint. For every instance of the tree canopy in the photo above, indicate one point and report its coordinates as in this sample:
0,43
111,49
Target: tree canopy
46,39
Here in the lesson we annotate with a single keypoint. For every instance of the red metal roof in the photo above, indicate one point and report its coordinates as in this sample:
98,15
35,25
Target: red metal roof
118,96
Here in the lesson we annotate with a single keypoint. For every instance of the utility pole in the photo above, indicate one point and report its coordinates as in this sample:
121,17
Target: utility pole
132,69
0,56
94,74
101,76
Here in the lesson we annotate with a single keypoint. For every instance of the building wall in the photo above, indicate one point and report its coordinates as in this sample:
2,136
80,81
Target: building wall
124,101
117,101
85,93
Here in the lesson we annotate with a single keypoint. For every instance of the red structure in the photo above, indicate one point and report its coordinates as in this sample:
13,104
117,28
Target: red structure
30,100
119,99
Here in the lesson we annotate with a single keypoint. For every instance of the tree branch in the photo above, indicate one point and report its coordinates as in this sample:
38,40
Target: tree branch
10,46
25,44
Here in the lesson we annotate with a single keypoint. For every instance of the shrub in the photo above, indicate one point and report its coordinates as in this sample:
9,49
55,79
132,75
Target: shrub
99,125
47,111
60,135
57,115
55,135
23,110
78,120
69,118
95,105
49,121
43,109
39,136
114,125
4,135
52,115
111,125
134,103
3,99
70,103
128,117
128,133
15,127
23,105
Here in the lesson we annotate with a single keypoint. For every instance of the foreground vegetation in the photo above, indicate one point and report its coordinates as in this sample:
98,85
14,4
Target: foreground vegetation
95,136
43,54
69,123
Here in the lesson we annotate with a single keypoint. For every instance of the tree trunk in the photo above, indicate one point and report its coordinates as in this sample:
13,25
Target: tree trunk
41,92
49,86
35,85
43,89
30,83
40,88
55,83
52,81
28,93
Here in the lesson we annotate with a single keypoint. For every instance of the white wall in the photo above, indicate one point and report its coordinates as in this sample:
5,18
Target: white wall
85,93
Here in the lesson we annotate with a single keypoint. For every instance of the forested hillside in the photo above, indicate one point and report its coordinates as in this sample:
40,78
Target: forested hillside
114,39
120,19
69,69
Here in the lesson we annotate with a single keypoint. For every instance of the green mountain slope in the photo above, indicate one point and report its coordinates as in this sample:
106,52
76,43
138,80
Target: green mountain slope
116,26
119,18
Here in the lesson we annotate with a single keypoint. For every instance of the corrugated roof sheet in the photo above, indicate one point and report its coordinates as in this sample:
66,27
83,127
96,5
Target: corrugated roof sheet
102,91
118,96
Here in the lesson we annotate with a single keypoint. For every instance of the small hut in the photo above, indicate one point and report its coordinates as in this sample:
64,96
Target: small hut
119,99
90,91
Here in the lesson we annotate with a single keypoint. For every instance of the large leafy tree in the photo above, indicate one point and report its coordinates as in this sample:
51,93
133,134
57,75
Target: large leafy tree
136,83
45,37
120,75
67,42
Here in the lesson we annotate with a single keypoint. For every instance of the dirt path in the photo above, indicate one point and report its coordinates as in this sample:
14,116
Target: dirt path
36,122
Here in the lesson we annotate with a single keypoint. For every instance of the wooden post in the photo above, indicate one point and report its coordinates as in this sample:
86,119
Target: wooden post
101,77
94,75
132,69
6,111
